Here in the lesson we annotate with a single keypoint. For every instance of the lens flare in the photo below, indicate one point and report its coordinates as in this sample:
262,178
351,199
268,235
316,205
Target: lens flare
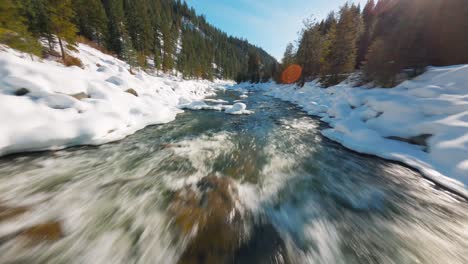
291,74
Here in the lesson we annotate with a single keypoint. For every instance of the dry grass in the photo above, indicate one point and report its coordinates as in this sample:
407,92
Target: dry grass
72,61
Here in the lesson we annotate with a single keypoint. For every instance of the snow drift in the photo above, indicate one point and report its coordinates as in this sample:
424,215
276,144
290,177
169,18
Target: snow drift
422,122
44,105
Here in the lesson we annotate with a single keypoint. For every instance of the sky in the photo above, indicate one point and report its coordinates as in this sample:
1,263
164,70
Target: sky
269,24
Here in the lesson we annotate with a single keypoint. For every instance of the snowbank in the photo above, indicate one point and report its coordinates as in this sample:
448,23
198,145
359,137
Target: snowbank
44,105
422,122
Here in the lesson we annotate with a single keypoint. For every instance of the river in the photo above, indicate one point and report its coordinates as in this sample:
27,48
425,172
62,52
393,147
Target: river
216,188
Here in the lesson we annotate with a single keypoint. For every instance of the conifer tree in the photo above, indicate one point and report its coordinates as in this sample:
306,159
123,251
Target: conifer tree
169,32
289,56
129,54
369,19
380,65
254,67
91,19
310,51
139,25
169,39
13,31
61,15
115,25
341,46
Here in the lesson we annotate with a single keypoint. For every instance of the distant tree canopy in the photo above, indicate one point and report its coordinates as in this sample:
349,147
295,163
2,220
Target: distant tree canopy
163,35
383,39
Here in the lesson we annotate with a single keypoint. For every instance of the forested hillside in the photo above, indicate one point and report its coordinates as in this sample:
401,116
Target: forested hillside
163,35
389,40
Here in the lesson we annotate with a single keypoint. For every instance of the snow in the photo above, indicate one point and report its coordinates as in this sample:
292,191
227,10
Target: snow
381,121
219,101
67,106
238,109
200,105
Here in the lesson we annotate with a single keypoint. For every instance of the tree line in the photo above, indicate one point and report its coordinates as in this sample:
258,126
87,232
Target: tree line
164,35
387,41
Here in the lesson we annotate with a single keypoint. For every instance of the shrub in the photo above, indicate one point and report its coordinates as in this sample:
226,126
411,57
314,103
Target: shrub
72,61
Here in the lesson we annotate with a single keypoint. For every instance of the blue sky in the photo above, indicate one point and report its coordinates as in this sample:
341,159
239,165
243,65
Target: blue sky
270,24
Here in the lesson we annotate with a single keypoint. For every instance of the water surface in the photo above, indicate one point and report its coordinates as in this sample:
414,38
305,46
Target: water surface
215,188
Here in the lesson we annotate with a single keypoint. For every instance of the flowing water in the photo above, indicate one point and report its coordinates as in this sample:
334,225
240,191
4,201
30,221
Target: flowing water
215,188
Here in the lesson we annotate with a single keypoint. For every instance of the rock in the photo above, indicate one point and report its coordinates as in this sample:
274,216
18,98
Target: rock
211,211
80,96
49,231
132,91
420,140
22,92
7,213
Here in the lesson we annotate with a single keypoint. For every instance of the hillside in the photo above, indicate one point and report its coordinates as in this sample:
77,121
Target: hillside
162,35
45,105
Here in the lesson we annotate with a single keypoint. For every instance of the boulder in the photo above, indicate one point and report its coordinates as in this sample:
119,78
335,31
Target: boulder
22,92
209,209
132,91
80,96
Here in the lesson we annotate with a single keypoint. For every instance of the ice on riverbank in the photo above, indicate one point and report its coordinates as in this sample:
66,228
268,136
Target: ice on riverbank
238,109
422,122
45,105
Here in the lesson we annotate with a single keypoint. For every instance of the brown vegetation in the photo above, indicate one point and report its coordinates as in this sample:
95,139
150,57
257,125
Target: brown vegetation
72,61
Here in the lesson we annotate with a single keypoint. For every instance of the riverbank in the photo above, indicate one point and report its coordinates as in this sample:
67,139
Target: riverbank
47,106
421,122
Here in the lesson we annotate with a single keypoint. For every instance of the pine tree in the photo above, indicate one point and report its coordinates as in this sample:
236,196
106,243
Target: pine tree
115,25
254,67
369,19
326,25
289,56
139,25
341,46
169,35
169,32
13,31
380,65
129,54
310,51
91,19
61,15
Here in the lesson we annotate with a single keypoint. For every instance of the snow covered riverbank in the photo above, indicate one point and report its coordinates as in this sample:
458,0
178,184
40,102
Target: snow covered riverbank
422,122
45,105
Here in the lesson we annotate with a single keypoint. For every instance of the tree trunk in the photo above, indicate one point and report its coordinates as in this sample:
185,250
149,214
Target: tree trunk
61,49
49,40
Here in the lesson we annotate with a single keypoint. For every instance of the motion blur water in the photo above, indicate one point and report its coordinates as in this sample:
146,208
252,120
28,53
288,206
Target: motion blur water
215,188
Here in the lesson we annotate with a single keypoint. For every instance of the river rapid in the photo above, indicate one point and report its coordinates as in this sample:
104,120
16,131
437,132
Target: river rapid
217,188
